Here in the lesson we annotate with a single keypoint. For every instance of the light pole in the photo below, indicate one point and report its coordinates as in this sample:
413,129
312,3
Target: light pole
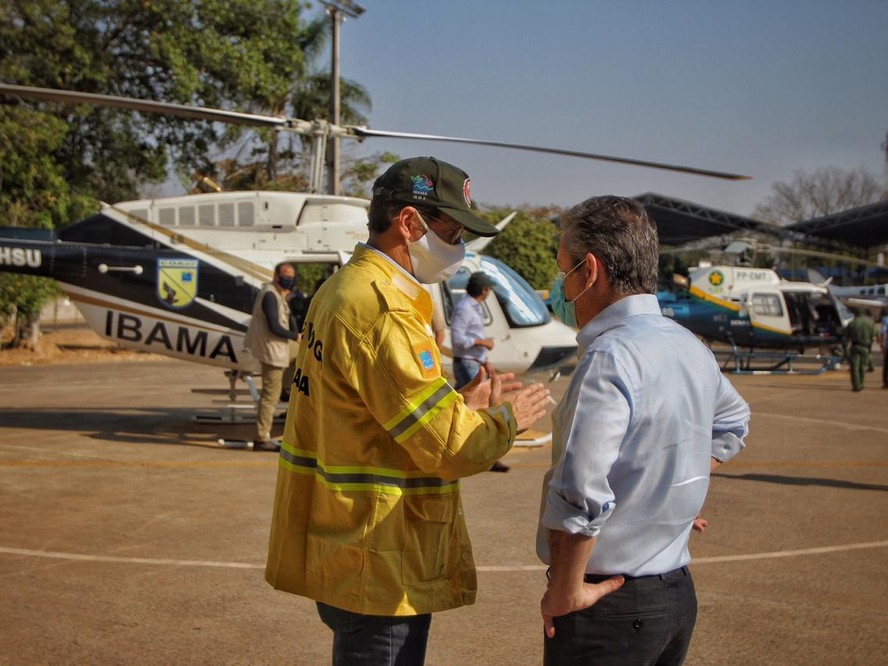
337,11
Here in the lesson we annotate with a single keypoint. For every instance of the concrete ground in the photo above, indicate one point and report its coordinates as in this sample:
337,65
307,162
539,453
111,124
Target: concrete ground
127,536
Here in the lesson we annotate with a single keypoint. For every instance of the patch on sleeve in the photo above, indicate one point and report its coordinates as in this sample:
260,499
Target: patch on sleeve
426,359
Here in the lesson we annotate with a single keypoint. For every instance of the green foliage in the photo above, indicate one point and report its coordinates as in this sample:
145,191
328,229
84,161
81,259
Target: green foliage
358,174
217,53
57,161
24,294
528,244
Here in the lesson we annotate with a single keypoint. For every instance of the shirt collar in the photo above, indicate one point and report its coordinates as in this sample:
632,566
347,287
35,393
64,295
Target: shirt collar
391,261
397,276
615,313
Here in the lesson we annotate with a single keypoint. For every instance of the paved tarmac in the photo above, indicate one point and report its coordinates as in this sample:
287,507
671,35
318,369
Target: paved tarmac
127,536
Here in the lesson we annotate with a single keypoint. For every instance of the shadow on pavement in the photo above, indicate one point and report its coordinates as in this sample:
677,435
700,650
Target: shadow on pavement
802,481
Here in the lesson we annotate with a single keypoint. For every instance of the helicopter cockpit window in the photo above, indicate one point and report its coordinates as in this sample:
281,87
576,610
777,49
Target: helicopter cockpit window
454,290
246,217
522,305
767,305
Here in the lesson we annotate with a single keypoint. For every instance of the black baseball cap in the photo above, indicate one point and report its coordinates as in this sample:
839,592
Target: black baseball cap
429,182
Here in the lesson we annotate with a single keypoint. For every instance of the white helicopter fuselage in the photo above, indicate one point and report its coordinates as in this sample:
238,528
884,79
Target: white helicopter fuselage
178,275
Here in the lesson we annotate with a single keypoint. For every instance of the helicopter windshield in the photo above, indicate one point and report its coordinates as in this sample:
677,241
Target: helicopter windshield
522,305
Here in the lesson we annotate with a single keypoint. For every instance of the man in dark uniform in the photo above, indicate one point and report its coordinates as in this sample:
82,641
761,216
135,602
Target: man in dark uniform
859,335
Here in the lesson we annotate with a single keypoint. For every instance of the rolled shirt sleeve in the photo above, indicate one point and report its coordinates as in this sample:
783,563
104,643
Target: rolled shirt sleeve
730,424
593,423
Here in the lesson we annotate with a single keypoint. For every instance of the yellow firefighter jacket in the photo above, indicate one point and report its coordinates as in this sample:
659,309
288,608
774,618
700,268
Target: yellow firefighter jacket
367,513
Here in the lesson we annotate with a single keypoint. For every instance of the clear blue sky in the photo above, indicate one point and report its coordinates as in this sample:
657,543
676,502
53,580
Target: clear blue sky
756,87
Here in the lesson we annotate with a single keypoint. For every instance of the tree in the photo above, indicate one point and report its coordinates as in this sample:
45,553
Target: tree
825,191
216,53
58,161
529,244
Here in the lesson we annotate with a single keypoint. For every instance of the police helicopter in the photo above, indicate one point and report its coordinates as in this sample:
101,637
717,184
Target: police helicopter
178,275
754,308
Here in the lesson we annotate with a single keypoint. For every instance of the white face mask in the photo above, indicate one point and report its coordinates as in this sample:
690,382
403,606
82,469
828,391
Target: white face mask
433,259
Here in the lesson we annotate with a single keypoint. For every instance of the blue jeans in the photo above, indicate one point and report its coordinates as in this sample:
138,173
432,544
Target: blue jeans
647,621
376,640
464,371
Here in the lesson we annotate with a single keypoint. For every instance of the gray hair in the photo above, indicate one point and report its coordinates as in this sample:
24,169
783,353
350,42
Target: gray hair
620,234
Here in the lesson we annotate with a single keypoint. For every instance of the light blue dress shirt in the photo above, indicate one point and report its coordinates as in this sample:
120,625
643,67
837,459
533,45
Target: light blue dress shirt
646,408
466,326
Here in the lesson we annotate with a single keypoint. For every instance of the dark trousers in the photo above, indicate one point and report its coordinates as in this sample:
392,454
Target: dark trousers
647,621
464,371
859,361
376,640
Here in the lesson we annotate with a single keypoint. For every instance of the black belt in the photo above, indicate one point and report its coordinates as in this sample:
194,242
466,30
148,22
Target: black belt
675,573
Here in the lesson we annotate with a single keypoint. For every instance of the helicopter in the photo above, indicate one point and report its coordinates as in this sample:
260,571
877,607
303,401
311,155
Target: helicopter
775,320
178,275
145,276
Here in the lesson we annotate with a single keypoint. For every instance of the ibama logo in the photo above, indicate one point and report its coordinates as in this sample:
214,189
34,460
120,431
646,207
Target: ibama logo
422,186
176,282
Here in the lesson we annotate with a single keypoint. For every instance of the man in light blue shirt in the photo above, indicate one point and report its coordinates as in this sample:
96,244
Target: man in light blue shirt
647,415
470,344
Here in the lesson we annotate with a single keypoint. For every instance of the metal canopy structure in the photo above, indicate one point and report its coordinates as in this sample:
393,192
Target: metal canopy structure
864,227
679,222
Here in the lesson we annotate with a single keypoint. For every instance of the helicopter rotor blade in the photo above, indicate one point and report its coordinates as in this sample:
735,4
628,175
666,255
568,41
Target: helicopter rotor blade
363,132
132,104
318,127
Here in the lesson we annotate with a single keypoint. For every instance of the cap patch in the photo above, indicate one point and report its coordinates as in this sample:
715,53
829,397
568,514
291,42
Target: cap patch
467,192
422,186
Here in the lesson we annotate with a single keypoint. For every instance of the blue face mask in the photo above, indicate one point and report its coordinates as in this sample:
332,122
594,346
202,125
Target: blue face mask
286,282
565,310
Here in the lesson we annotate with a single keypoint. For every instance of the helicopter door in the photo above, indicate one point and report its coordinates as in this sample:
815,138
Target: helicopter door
768,313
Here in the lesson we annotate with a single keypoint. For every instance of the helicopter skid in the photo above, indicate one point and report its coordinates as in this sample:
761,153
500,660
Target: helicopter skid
531,439
775,363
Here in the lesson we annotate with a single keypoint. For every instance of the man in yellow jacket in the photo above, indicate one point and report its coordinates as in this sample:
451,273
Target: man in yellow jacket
367,516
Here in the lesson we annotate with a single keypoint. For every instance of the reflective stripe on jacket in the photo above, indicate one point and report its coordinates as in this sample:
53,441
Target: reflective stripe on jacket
367,514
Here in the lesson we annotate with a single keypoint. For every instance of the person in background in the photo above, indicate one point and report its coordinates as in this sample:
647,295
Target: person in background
883,342
859,336
268,340
647,415
367,517
467,337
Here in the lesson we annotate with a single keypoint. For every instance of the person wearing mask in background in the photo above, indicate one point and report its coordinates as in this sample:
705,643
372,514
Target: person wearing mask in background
467,338
646,417
367,517
859,336
268,340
